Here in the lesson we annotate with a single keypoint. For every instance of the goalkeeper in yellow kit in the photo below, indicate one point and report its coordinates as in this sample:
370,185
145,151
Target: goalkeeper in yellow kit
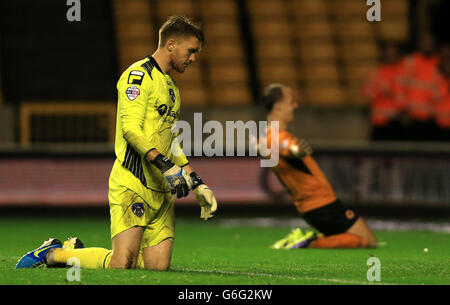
150,166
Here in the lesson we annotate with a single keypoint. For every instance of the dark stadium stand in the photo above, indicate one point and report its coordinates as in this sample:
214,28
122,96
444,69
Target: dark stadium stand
134,29
323,48
226,69
1,92
46,57
317,53
274,51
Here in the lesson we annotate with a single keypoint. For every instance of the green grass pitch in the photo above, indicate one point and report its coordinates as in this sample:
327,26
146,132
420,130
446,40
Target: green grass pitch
215,253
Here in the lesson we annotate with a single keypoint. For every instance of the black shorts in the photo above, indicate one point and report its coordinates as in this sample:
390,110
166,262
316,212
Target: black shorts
331,219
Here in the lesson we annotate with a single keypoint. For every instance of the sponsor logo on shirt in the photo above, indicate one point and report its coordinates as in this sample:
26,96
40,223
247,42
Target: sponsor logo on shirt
172,95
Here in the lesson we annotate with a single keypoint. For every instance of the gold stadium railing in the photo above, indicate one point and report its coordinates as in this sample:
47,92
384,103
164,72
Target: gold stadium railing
67,122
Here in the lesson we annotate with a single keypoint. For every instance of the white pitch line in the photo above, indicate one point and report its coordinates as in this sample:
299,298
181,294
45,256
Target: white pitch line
339,281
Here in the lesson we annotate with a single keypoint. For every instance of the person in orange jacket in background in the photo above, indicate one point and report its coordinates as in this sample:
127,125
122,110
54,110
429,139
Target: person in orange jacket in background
387,98
442,107
421,81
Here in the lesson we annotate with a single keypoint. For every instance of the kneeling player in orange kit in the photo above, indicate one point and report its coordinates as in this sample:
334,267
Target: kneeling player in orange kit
313,195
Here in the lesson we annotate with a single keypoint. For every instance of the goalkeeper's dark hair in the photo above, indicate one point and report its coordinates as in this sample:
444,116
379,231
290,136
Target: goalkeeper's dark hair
271,95
181,26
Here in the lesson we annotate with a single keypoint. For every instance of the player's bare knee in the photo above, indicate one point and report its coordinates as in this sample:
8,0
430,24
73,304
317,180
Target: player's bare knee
160,265
130,263
123,261
123,264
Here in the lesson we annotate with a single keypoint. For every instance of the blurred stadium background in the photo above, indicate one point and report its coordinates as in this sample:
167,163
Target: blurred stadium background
58,97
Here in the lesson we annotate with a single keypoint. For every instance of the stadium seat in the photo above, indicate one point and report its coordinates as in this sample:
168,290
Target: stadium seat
230,71
166,8
325,95
131,8
335,43
135,34
308,8
318,51
274,48
321,72
354,91
357,29
192,75
399,7
277,72
129,53
221,28
132,30
224,66
273,27
213,51
193,95
393,30
319,29
230,95
267,8
348,8
270,49
211,10
354,51
359,70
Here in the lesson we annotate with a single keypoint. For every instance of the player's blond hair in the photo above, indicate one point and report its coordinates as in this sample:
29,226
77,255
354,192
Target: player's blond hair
179,25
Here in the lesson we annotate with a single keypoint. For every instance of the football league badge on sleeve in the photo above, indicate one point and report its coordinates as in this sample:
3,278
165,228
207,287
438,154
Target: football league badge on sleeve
132,92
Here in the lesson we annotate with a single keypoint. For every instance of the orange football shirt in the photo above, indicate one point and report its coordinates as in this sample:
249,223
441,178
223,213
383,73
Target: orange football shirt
303,177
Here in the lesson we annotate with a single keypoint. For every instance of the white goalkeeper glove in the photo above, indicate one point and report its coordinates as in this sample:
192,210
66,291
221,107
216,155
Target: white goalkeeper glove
204,196
177,178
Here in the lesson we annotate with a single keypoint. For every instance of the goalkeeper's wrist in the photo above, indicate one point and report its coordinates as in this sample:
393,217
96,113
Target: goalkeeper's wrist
162,163
196,180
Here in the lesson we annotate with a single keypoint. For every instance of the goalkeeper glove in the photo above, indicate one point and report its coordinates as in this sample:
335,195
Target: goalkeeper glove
204,196
178,179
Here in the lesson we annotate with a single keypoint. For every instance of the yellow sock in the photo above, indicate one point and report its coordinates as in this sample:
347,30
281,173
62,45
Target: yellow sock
140,261
90,258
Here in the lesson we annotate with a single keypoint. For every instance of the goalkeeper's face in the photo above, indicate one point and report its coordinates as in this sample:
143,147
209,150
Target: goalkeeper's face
184,53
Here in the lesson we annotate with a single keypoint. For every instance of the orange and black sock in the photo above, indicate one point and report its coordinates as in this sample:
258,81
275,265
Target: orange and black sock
343,240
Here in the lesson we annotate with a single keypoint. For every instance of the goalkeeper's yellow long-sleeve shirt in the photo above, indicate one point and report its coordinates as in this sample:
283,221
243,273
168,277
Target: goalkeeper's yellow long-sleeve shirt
148,107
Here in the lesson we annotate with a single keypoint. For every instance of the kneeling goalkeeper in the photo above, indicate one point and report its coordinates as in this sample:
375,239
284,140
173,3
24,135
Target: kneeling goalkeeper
150,166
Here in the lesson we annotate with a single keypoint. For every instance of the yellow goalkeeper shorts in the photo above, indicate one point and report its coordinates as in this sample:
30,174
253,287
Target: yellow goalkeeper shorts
128,209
